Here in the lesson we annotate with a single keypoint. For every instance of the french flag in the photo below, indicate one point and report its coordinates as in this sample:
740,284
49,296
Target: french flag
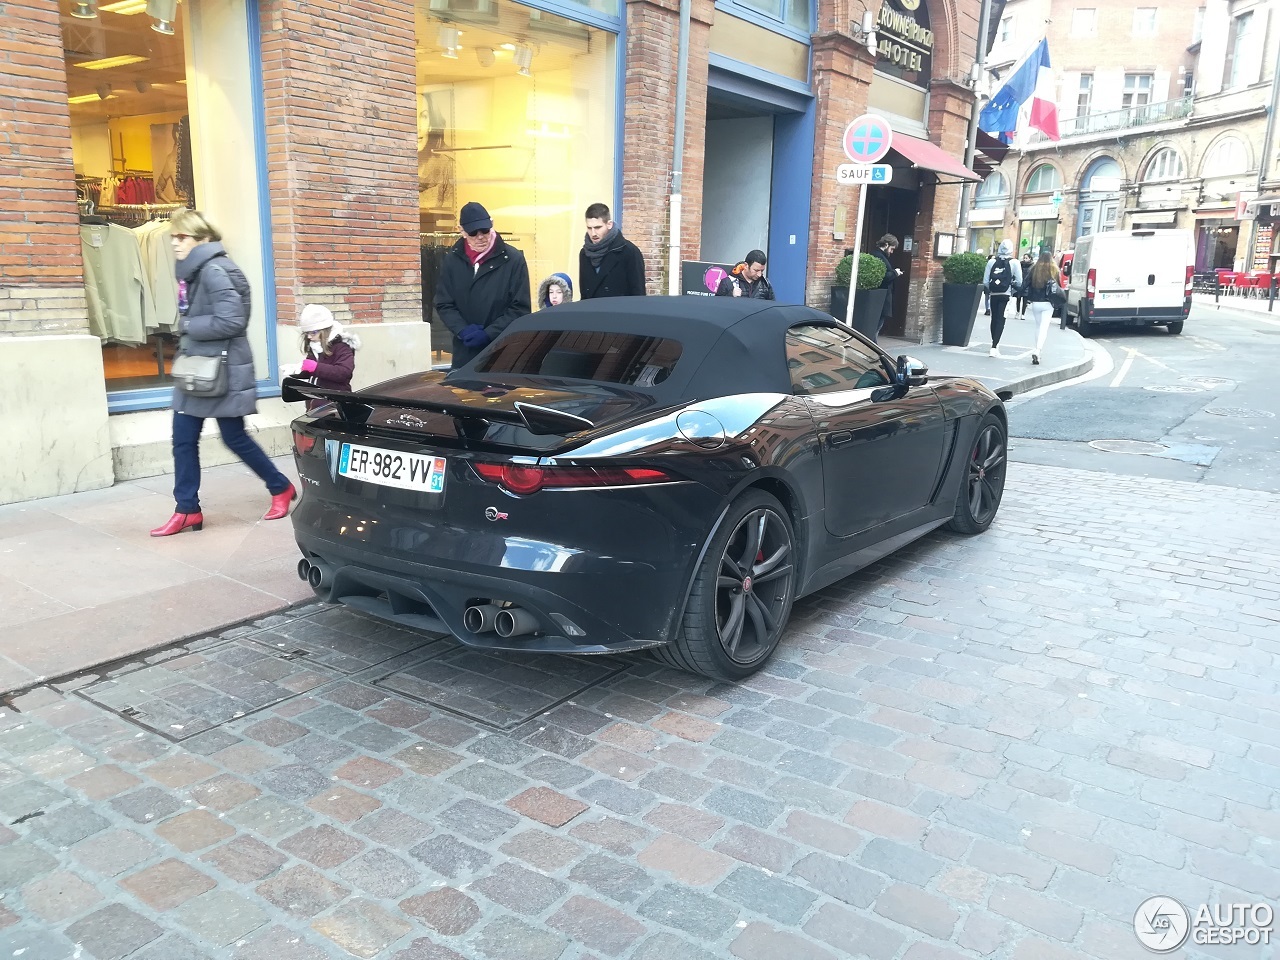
1031,80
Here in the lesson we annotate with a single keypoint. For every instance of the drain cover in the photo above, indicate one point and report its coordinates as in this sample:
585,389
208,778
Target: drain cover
1128,446
1242,412
1173,388
187,695
1211,383
500,690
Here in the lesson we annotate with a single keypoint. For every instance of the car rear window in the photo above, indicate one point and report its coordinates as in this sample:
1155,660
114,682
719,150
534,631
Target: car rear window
623,358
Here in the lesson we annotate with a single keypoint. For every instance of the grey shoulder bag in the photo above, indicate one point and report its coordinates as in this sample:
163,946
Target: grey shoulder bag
201,376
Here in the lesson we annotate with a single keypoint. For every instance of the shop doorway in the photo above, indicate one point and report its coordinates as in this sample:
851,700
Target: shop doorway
1216,243
756,184
892,209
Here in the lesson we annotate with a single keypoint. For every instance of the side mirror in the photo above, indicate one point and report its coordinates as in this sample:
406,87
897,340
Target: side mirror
911,372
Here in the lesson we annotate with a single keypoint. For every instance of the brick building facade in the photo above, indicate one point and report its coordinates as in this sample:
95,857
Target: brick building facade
1166,108
293,126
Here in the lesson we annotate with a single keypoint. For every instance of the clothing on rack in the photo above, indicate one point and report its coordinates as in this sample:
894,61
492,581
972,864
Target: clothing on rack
158,263
121,307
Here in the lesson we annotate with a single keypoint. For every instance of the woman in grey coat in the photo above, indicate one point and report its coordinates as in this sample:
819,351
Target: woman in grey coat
215,318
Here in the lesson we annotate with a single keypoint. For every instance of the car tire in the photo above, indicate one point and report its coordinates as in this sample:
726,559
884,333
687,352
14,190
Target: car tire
728,633
1176,326
1083,326
982,486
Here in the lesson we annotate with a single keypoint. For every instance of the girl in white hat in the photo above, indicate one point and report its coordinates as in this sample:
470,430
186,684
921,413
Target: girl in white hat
330,351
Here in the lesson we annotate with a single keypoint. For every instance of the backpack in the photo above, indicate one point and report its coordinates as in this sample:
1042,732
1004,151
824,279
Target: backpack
1001,278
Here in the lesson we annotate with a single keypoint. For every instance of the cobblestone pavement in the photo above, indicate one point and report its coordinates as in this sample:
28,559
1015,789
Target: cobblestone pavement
988,747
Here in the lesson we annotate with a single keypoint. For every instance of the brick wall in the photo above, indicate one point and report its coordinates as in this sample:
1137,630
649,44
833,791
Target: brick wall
341,117
41,276
648,143
842,71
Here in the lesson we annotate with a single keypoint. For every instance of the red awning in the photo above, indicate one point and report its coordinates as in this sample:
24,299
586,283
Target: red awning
923,154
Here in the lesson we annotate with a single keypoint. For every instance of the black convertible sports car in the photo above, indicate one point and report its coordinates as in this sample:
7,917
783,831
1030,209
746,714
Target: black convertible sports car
666,472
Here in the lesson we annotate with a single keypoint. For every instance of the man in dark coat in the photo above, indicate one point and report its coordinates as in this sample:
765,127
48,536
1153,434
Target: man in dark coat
885,248
483,285
609,265
748,279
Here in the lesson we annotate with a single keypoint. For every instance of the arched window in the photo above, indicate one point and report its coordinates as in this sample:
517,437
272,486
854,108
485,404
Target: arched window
1103,169
993,192
1044,179
1226,157
1165,165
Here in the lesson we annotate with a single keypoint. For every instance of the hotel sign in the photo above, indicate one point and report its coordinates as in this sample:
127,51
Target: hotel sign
905,42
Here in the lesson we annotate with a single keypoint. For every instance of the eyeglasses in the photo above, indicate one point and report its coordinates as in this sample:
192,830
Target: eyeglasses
482,232
180,236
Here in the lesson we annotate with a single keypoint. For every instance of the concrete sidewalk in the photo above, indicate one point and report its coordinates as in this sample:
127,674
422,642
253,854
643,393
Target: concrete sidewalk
82,583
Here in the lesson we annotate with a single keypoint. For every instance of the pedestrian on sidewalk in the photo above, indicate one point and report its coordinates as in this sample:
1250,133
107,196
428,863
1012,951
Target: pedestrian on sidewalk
1026,263
483,285
555,290
747,279
329,352
986,294
609,264
1042,287
1003,276
886,246
214,303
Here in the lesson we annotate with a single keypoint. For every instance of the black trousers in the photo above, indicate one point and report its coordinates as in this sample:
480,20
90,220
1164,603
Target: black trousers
999,302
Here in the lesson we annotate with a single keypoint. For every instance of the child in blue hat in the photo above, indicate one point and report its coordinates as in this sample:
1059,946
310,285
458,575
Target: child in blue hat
555,290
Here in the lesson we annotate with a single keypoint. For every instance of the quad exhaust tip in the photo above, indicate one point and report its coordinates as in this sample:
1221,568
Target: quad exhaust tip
318,574
504,621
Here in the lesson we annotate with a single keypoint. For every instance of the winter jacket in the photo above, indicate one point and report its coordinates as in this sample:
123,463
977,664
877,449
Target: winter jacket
334,371
491,295
621,272
758,289
1041,294
217,319
890,274
544,288
1014,276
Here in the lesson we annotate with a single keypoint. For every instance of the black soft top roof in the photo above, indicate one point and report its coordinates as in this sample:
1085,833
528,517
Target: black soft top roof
728,345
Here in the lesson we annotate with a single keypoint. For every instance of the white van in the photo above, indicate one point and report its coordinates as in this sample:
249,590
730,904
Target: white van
1133,277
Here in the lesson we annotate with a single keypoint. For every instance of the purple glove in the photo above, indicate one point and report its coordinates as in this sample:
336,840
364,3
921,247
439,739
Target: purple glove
474,337
309,365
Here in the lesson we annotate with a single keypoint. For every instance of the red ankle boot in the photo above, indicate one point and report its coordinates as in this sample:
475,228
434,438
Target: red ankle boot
179,522
280,503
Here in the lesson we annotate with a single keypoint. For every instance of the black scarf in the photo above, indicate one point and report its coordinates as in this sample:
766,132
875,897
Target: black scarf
596,251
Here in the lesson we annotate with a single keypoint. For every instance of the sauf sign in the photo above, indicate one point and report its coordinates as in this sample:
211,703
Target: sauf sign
905,40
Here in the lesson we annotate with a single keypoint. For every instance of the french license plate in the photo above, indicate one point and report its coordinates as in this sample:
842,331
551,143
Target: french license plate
391,468
1119,296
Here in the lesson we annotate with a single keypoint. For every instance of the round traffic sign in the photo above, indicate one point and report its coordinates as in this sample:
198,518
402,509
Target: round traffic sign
868,138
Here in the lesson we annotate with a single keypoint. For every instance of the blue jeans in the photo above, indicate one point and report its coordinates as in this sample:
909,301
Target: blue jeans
186,458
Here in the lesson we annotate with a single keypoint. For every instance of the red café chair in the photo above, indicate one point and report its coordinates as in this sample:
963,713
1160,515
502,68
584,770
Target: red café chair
1227,281
1249,284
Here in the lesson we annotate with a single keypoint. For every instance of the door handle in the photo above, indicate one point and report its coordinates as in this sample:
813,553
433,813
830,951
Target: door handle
839,437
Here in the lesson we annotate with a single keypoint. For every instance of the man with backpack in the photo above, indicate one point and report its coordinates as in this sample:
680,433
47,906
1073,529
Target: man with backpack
1003,278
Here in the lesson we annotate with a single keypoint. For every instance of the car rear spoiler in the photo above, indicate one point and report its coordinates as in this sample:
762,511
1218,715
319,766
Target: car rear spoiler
357,407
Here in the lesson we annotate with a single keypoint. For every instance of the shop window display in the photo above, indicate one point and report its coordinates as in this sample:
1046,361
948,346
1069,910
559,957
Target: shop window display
132,86
516,112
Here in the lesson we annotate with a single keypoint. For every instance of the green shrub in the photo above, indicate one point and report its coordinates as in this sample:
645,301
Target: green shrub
870,271
967,268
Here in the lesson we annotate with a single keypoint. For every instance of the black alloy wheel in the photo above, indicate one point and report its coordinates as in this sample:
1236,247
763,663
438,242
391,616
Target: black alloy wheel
983,485
741,594
753,590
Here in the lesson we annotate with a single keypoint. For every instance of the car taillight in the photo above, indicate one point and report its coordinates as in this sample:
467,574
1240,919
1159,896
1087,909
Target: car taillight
1186,290
525,478
1091,284
303,442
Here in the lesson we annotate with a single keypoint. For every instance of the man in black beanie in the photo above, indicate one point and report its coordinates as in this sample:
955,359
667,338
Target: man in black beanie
483,285
609,265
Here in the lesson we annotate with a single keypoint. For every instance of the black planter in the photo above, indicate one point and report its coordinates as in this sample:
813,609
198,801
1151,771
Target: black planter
959,310
867,307
839,301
